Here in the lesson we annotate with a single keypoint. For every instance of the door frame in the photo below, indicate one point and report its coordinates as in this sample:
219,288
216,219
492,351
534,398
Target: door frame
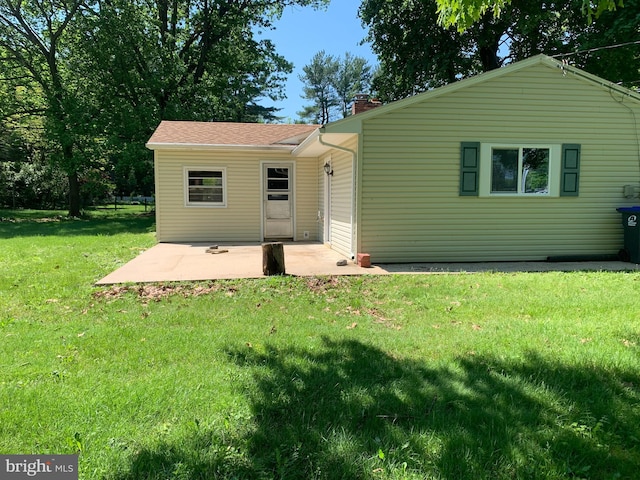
264,164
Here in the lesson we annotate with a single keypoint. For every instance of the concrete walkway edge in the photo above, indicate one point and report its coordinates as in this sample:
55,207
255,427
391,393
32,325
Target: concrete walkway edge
166,262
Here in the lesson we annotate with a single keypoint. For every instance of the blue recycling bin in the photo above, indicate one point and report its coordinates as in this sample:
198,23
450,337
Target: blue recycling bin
631,225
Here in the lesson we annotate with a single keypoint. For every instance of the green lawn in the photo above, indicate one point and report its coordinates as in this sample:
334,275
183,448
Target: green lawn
482,376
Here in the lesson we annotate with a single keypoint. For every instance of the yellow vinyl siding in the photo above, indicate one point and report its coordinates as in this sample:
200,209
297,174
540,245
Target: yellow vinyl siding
241,219
411,210
306,199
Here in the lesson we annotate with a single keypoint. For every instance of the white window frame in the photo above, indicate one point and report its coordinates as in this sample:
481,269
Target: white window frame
191,204
486,161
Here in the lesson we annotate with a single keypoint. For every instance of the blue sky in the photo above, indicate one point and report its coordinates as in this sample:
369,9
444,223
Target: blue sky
302,32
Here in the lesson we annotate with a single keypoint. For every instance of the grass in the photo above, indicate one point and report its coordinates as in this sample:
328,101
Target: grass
483,376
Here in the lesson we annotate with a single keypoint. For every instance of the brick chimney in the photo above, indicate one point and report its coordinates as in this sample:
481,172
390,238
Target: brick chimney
361,103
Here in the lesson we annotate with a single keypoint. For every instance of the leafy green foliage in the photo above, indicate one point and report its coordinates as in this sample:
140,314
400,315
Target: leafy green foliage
417,54
102,75
31,184
464,13
191,61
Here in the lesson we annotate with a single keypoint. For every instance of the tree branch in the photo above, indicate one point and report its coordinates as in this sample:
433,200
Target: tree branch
22,61
22,113
26,32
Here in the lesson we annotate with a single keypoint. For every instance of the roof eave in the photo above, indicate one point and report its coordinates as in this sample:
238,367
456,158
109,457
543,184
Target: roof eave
314,146
202,146
310,140
599,81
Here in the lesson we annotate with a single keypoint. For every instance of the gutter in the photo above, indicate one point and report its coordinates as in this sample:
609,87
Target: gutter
354,176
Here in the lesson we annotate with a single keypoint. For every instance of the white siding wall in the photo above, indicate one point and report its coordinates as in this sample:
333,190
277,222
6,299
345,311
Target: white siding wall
411,210
341,200
241,220
322,191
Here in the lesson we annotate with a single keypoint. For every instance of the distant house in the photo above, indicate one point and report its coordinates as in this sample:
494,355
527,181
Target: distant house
520,163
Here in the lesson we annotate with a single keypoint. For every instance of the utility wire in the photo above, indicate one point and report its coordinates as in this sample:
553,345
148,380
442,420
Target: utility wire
595,49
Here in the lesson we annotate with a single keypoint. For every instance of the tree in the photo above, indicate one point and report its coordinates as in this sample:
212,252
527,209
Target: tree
27,179
109,70
186,59
331,83
32,39
353,76
318,78
416,54
603,47
464,13
179,60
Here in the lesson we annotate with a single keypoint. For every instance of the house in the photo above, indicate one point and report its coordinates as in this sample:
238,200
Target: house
520,163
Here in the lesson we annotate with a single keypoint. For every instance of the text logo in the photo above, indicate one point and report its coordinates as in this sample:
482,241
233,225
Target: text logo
46,467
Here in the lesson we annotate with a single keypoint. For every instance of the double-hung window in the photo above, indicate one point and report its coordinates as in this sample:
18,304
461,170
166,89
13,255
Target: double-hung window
205,187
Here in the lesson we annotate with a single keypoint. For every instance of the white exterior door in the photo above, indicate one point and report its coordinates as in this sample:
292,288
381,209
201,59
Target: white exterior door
278,200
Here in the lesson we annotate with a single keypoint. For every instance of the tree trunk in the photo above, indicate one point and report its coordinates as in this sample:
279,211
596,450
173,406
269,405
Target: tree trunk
74,194
490,31
489,58
273,258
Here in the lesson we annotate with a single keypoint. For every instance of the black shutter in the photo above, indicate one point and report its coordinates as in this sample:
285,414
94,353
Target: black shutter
570,171
469,168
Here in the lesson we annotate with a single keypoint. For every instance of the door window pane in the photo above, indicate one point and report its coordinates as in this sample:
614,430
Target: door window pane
277,179
278,197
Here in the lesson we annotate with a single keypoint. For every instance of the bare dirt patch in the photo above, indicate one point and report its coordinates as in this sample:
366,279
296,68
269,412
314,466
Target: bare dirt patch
157,292
323,284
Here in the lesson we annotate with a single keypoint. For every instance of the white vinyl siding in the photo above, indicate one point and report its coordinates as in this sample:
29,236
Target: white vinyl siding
341,221
323,193
411,208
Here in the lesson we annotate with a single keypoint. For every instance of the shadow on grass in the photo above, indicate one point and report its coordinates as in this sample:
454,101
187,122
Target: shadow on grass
63,226
350,410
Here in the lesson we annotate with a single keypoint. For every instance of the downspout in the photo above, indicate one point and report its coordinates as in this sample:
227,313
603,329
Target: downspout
354,179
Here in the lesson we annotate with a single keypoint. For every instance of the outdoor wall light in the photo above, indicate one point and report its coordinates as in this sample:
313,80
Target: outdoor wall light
327,169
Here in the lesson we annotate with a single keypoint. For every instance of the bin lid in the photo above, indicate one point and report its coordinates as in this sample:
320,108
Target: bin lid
635,209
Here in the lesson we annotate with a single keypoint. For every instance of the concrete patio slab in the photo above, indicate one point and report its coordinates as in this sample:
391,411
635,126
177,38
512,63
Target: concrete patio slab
190,262
182,262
